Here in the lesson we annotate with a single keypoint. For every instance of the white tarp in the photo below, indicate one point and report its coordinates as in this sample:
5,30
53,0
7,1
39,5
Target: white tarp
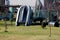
24,2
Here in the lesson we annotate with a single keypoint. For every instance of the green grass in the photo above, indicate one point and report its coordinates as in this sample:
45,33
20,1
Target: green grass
28,32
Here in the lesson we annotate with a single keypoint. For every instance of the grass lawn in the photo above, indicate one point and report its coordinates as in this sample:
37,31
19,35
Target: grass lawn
35,32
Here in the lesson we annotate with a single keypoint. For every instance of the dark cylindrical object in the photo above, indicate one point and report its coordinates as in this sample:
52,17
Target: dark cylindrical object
44,24
56,24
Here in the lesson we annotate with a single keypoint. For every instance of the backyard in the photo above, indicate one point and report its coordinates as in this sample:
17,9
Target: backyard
33,32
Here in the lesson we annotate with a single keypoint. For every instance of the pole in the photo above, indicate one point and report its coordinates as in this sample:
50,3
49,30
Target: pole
50,32
5,22
5,25
50,25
